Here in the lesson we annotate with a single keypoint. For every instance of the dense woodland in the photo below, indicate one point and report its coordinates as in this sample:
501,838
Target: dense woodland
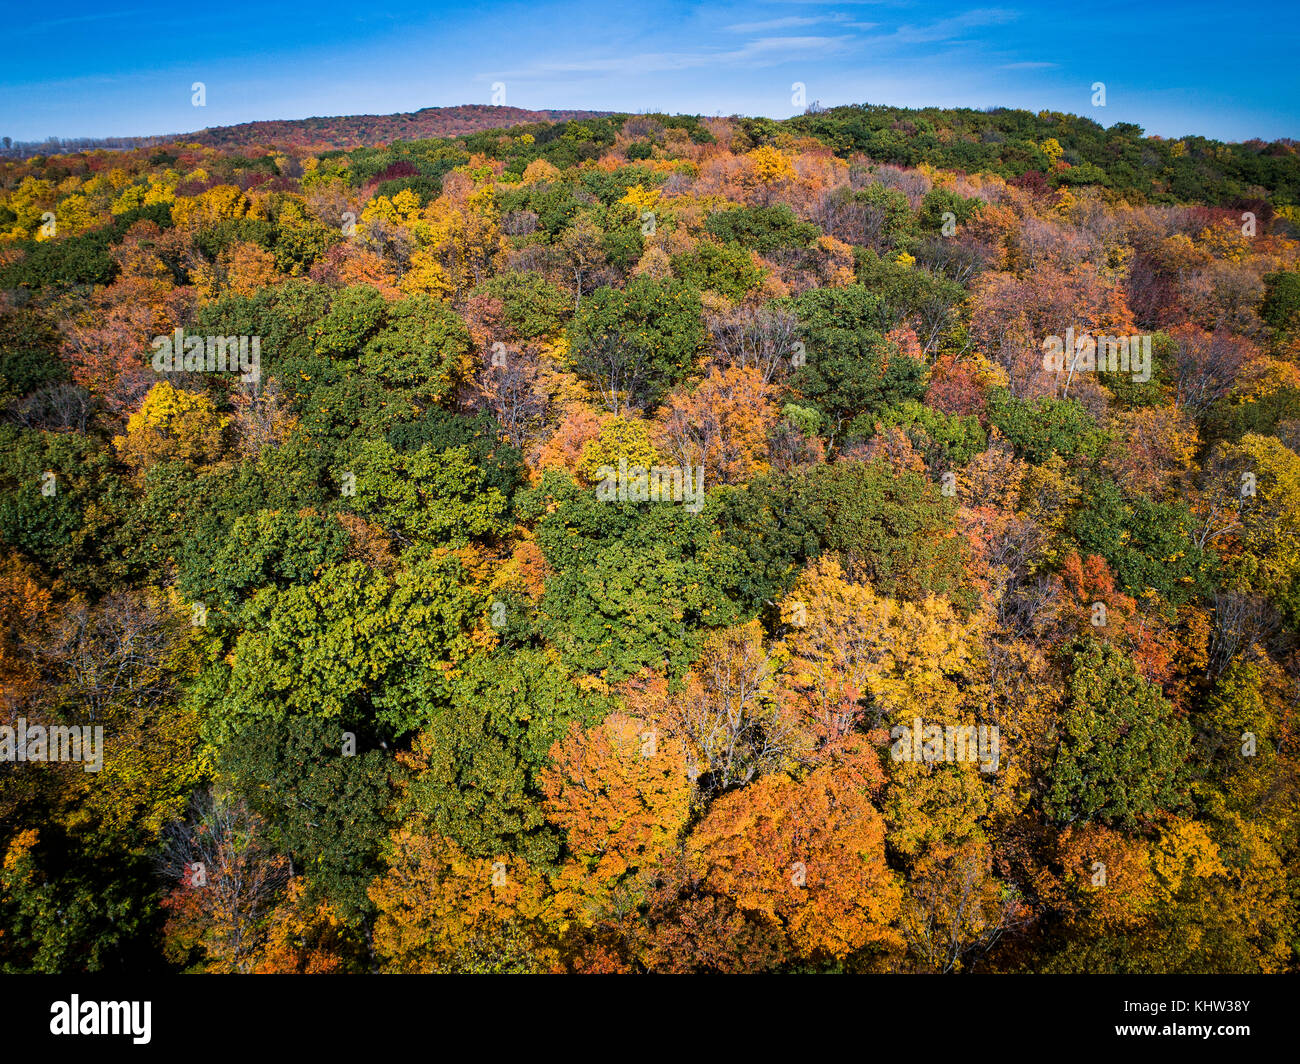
388,684
316,134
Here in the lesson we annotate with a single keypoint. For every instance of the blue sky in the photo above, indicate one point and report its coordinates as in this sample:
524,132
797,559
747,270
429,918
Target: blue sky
1173,68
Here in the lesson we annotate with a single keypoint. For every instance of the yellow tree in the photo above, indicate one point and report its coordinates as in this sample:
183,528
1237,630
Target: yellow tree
1254,496
721,426
442,911
807,856
457,242
172,424
917,664
217,204
539,172
768,170
625,439
955,908
620,792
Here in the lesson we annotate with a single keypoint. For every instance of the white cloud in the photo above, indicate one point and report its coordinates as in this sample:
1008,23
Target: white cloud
762,51
789,22
948,28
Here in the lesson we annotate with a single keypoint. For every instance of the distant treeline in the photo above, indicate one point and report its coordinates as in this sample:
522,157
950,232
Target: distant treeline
26,149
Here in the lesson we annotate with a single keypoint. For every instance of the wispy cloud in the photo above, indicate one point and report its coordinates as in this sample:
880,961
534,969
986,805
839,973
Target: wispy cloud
762,51
948,29
74,20
787,23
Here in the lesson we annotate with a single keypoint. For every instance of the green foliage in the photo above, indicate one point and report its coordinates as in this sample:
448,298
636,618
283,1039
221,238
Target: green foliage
1262,415
1149,545
1121,750
425,495
726,270
28,353
1045,426
635,585
851,369
501,465
77,260
940,201
267,549
1083,174
910,294
807,420
893,531
285,316
890,205
1281,309
764,229
329,807
354,316
532,307
554,204
422,349
484,751
186,517
354,646
63,505
340,409
945,439
610,186
67,911
212,240
74,260
640,340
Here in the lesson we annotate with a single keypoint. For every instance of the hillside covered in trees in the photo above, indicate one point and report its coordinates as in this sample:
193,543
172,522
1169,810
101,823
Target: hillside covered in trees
865,542
341,131
355,131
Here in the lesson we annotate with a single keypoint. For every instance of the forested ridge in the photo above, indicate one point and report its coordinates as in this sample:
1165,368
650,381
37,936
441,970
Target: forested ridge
652,543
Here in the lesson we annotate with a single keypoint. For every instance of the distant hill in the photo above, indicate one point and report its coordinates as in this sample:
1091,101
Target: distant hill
340,131
355,131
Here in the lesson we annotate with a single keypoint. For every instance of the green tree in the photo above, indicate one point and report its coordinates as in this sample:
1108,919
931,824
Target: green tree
725,269
1045,426
634,585
480,757
635,343
425,495
423,348
764,229
1120,750
1150,546
849,367
325,790
894,531
355,645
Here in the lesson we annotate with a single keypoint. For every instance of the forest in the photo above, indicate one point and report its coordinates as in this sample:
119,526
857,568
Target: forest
866,542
